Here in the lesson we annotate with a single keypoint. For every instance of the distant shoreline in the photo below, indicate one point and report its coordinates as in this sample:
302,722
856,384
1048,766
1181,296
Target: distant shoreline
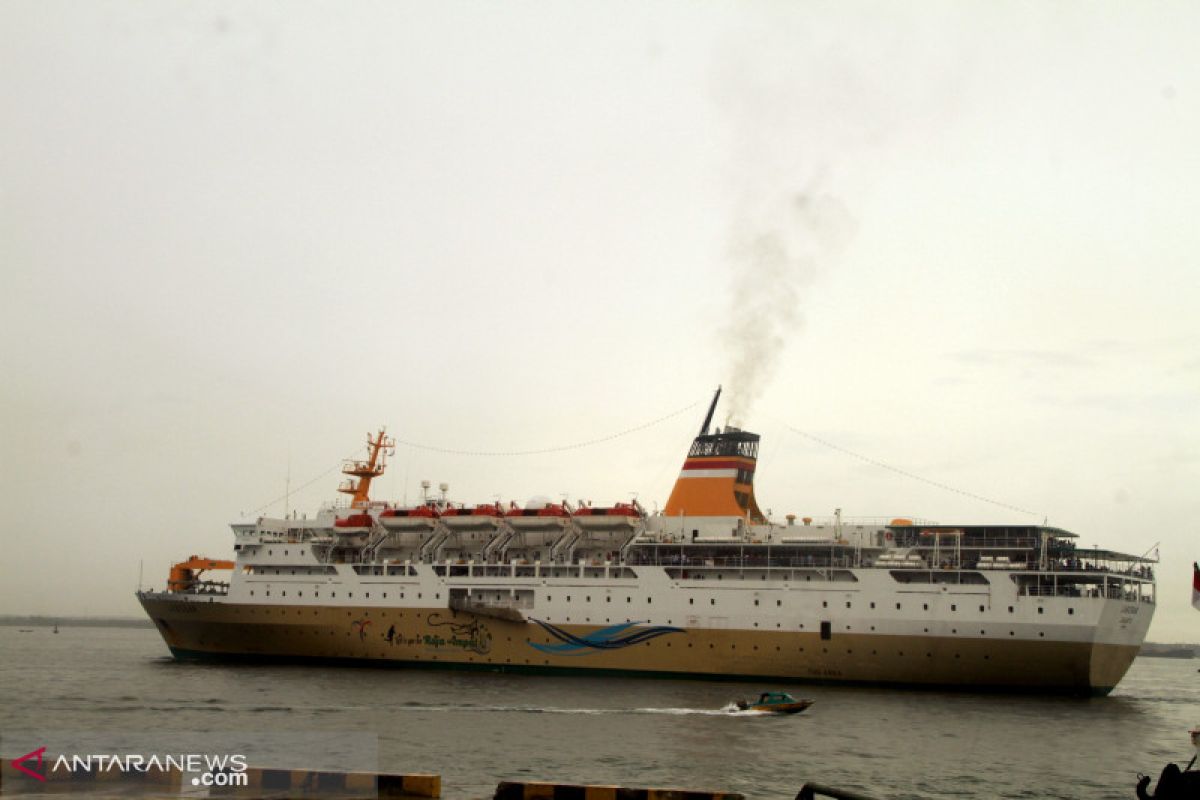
1173,650
40,621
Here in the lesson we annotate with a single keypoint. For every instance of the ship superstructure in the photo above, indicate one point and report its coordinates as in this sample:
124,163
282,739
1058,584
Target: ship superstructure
706,588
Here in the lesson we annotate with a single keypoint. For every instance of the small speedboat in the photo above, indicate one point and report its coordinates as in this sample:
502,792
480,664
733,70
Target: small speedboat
775,703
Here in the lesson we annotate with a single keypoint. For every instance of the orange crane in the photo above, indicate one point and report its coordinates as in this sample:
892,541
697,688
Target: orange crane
186,574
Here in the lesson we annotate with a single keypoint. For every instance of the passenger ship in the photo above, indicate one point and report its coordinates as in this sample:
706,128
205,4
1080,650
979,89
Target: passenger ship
707,588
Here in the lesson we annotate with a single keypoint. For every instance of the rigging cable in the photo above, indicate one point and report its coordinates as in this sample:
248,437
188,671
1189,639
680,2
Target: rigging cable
415,445
544,450
299,489
906,473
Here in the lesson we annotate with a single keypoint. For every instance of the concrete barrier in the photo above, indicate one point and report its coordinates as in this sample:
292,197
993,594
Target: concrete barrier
529,790
266,783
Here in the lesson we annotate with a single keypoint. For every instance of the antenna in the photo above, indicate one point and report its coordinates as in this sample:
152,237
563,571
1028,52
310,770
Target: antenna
712,408
287,483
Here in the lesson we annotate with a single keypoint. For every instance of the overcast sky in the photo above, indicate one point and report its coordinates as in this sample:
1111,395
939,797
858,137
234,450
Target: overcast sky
959,239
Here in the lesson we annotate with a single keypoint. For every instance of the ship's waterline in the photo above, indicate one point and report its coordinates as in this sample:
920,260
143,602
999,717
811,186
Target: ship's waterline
707,588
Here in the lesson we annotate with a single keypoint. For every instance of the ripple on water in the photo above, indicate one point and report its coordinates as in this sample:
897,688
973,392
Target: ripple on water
474,729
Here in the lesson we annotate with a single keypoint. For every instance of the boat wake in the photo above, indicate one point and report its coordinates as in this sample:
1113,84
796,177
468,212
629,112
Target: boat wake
729,709
216,705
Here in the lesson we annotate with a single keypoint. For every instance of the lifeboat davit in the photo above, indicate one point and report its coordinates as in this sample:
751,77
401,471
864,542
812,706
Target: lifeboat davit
481,517
421,517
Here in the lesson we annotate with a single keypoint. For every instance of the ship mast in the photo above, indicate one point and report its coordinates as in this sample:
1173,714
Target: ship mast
711,409
378,449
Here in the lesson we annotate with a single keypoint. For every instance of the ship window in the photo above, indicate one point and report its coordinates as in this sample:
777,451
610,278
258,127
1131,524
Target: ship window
953,607
649,600
1010,609
568,598
847,604
755,602
285,592
872,604
1070,611
333,594
588,599
349,594
691,601
712,601
981,608
285,552
300,594
252,593
270,552
628,599
824,604
1041,610
368,594
778,602
897,606
549,598
608,599
826,630
268,592
925,606
385,595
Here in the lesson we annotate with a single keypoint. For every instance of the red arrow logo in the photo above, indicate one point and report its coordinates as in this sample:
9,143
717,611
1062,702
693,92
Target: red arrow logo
36,753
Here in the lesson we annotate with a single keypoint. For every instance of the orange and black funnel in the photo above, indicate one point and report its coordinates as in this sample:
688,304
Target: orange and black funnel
717,479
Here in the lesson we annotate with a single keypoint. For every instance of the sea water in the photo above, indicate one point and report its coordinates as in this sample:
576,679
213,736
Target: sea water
475,729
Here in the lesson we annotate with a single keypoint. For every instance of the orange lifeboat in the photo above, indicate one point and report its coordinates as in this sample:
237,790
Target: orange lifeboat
353,522
422,517
615,517
549,516
482,516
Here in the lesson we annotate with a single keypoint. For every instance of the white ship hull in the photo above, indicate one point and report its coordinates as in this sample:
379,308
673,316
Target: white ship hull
714,623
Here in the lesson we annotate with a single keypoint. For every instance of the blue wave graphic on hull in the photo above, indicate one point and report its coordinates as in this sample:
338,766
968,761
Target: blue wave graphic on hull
611,638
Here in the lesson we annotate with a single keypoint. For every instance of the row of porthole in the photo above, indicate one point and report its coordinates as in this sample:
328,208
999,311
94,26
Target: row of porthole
712,601
367,595
711,646
982,632
800,625
824,651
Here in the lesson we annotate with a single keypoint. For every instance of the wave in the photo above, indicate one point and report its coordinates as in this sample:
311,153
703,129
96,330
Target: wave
730,710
